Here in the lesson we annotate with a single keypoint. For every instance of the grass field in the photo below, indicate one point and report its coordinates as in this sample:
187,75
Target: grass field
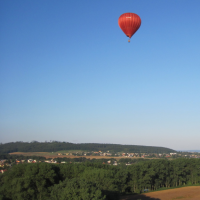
184,193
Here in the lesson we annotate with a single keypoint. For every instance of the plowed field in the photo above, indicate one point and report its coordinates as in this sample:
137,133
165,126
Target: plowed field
185,193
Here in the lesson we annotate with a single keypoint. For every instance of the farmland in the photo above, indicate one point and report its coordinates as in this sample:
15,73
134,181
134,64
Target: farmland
185,193
55,155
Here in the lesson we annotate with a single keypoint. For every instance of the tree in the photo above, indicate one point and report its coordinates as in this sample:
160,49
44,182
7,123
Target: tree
76,189
29,181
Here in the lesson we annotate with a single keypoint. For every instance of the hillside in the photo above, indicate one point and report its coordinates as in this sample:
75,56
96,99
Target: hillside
58,146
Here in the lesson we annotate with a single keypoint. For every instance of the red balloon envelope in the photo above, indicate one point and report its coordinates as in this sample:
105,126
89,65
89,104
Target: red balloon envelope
129,23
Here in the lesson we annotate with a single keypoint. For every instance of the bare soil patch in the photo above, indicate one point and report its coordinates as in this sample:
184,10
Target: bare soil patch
185,193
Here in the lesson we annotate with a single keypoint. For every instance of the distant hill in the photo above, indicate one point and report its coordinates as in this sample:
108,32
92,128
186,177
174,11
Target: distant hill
58,146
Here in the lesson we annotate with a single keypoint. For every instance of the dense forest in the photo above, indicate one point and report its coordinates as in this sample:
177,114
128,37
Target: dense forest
58,146
95,181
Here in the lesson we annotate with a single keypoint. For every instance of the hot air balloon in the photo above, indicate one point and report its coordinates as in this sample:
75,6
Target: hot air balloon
129,23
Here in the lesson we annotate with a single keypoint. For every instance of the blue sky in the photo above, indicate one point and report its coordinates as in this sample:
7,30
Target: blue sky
67,72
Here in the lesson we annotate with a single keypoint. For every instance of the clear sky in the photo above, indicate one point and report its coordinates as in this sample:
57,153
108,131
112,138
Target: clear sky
67,72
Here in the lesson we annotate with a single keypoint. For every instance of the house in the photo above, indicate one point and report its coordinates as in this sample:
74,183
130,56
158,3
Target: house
32,161
172,154
2,165
115,163
47,161
128,163
53,161
3,170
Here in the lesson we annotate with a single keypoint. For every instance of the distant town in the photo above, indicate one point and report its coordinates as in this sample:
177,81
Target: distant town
135,155
105,157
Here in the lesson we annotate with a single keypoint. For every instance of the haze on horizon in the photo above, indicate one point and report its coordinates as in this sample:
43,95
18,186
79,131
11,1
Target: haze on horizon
67,73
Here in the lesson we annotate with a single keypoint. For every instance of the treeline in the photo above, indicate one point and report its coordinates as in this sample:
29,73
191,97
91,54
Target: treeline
95,181
59,146
4,156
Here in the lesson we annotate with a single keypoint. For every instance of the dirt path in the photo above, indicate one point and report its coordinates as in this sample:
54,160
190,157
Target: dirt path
185,193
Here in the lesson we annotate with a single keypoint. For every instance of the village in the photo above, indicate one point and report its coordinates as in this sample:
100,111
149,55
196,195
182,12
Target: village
107,157
134,155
